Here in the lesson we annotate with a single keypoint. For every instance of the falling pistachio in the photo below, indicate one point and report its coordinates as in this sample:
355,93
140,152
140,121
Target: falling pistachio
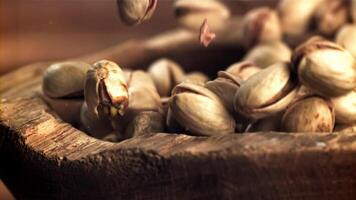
133,12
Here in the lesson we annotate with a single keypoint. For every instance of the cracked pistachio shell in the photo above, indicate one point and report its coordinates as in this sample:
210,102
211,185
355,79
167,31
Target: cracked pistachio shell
65,79
264,55
133,12
346,38
200,111
105,89
331,15
191,14
261,25
312,114
166,74
197,78
243,70
345,108
296,16
225,87
266,92
345,128
325,67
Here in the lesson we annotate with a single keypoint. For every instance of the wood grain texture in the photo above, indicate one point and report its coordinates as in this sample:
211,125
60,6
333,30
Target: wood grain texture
43,157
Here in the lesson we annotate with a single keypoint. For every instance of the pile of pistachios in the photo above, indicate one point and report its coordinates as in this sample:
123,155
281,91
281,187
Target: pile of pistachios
309,87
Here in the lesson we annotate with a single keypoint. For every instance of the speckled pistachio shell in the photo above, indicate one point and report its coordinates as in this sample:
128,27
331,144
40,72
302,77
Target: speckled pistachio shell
191,14
133,12
267,54
200,111
347,39
266,93
65,79
312,114
345,108
166,74
243,70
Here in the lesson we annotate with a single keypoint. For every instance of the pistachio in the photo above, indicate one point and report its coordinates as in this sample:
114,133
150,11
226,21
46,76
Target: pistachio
346,38
146,122
243,70
261,25
106,89
195,78
345,128
133,12
296,16
97,127
65,79
200,111
331,15
206,36
139,78
345,108
266,92
166,74
225,87
264,55
325,67
191,14
313,114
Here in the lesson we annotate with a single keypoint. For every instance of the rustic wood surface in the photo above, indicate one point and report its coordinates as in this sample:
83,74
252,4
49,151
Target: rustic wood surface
43,157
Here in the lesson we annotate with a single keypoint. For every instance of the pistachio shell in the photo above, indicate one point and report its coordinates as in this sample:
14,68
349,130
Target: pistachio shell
133,12
200,111
345,108
261,25
243,70
312,114
191,14
325,67
166,74
65,79
266,93
197,78
146,122
266,54
139,78
346,38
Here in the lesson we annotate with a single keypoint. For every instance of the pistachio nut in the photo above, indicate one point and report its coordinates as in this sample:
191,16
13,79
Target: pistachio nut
296,16
313,114
346,38
225,87
331,15
200,111
325,67
264,55
345,128
133,12
195,78
106,89
139,78
97,127
271,123
266,93
65,79
146,122
191,14
166,74
243,70
345,108
261,25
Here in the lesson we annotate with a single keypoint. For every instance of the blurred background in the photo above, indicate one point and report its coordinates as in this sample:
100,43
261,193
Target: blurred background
34,30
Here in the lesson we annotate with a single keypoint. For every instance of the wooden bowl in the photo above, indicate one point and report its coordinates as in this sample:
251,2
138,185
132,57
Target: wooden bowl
42,157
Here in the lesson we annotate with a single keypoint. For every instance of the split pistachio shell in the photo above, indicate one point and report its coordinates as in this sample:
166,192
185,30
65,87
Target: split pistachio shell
197,78
345,108
65,79
200,111
146,122
264,55
331,15
261,25
106,89
133,12
296,16
97,127
312,114
325,67
225,87
266,92
347,39
243,70
191,14
345,128
166,74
